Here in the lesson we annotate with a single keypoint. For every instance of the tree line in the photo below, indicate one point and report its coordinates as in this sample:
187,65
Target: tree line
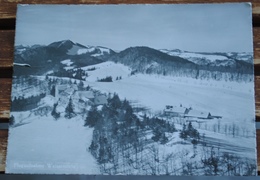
71,73
23,104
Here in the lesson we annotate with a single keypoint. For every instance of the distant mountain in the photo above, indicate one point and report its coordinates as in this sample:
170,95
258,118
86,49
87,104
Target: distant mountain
46,58
212,59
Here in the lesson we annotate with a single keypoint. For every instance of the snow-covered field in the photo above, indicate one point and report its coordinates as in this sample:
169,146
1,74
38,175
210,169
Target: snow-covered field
230,100
46,145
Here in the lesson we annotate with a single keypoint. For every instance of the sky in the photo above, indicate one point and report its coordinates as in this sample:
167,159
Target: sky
197,27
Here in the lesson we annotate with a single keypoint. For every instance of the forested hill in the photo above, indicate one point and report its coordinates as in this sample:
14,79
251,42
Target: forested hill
49,58
148,60
151,61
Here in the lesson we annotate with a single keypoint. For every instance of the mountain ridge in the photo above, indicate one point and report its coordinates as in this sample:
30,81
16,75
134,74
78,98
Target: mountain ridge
141,59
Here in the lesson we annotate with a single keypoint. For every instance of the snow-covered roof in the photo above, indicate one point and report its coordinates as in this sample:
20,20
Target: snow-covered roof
176,110
199,114
100,100
61,87
85,99
74,86
69,90
86,94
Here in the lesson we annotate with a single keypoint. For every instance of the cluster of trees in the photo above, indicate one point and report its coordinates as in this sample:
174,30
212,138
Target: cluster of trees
120,137
118,78
133,72
225,164
106,79
109,79
116,127
91,69
24,104
71,73
202,73
52,82
159,128
26,80
69,110
28,85
190,132
54,112
215,163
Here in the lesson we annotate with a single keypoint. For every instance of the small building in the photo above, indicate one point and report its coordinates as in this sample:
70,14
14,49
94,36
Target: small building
74,87
175,111
86,94
64,90
86,97
59,89
100,100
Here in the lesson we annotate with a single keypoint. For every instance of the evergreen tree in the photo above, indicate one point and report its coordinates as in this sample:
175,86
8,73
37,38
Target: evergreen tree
52,91
164,139
129,115
93,117
157,134
81,86
88,88
105,153
106,79
79,74
69,111
193,133
115,102
11,121
183,133
189,131
54,112
93,146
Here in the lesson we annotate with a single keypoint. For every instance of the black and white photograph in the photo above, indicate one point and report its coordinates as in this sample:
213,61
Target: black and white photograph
133,90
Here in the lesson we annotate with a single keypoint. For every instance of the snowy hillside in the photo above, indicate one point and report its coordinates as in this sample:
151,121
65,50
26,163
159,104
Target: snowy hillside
46,145
157,91
102,70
